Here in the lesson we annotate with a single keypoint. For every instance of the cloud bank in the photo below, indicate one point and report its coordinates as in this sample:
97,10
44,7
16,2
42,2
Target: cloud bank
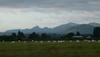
48,13
52,5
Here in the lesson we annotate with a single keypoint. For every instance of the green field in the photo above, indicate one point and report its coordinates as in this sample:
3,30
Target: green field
67,49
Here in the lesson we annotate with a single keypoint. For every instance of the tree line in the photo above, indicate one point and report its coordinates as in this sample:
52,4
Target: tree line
22,36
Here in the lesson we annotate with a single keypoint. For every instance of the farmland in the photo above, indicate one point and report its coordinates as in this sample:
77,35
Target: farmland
66,49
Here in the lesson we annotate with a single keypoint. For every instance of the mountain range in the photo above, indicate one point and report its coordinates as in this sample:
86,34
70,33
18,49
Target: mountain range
61,29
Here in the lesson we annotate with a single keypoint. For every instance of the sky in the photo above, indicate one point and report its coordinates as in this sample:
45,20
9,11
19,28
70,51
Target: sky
22,14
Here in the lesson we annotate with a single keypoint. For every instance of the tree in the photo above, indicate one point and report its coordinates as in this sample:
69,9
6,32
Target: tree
96,32
33,35
77,34
14,35
69,35
44,35
20,35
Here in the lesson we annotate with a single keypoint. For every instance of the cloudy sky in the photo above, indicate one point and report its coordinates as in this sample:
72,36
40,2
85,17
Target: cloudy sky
22,14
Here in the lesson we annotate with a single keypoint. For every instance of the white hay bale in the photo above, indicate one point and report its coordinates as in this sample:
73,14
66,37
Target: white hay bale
77,40
41,41
32,40
93,40
84,40
49,41
24,41
54,41
63,41
13,41
18,40
70,41
3,41
60,41
99,41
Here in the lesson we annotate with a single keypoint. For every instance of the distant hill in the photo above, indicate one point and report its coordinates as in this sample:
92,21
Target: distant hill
83,29
34,29
94,24
64,28
37,29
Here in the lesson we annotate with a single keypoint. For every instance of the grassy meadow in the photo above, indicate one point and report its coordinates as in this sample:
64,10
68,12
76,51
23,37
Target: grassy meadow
66,49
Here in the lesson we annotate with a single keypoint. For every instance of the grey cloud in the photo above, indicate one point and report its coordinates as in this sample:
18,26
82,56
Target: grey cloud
90,5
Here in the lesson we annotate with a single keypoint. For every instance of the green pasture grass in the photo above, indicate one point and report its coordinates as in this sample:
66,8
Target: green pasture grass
67,49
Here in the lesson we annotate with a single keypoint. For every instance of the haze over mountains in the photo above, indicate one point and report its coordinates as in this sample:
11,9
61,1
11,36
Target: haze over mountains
61,29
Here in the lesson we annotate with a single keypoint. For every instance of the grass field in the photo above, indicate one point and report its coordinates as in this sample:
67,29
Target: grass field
66,49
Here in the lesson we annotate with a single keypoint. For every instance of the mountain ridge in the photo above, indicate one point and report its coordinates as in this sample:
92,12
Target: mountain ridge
58,29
